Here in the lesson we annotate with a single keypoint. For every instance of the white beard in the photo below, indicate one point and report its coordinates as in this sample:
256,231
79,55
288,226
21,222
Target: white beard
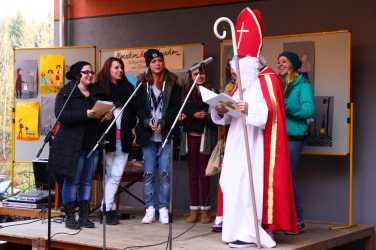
249,70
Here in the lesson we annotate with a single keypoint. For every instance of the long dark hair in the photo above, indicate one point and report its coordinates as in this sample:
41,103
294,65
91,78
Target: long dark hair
195,96
104,75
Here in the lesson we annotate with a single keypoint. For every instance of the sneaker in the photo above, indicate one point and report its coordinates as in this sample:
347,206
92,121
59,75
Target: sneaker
149,216
217,225
301,229
241,244
163,215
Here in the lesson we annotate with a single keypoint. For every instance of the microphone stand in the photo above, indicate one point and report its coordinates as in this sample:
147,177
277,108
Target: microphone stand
101,142
169,241
48,139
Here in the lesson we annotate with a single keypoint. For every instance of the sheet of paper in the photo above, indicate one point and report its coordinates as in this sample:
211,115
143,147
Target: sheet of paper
102,107
214,99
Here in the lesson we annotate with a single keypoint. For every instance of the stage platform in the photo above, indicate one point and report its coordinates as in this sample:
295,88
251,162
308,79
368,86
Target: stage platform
131,233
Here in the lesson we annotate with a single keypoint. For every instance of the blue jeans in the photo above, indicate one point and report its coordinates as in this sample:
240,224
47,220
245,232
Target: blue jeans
150,172
79,187
295,150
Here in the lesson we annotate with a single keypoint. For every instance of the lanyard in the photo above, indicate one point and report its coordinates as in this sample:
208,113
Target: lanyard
154,100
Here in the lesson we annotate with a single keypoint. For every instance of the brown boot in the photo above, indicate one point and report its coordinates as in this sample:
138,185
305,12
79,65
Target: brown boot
205,217
193,216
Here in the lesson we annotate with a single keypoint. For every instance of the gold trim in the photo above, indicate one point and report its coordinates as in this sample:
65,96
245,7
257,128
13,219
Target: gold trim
324,154
13,130
273,150
65,47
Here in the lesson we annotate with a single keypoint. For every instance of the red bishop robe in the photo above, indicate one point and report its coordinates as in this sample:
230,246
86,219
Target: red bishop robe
279,212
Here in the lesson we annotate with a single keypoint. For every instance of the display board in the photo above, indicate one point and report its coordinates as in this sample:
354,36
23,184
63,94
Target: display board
39,74
326,59
178,57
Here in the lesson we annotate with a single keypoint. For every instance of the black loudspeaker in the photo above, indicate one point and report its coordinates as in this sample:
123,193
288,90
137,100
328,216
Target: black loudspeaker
40,169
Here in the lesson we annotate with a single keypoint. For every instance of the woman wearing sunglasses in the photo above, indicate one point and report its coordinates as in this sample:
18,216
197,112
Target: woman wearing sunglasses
78,133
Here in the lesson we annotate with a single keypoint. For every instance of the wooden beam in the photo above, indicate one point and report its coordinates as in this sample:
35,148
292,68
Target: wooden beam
93,8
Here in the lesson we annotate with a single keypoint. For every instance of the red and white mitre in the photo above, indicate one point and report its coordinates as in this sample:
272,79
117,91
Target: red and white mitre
249,27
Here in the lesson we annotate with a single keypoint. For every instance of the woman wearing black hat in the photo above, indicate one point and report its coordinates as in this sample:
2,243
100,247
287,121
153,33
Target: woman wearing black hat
76,136
299,106
158,103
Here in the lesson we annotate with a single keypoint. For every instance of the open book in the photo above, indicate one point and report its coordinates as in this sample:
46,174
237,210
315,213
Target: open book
102,107
214,99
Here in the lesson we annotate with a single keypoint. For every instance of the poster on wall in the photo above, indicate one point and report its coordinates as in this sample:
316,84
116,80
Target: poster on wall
320,132
26,85
47,114
134,58
51,73
27,116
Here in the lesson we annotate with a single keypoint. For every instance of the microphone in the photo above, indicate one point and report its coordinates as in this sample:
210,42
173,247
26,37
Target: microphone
197,65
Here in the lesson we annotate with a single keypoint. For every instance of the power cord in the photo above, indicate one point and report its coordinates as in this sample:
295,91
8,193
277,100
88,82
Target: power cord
163,242
61,233
20,224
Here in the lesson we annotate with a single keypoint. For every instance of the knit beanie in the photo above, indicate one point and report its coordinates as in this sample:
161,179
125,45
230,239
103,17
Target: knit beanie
293,58
150,54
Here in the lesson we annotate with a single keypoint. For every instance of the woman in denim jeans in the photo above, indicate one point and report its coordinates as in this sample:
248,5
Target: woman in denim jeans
158,102
299,106
78,133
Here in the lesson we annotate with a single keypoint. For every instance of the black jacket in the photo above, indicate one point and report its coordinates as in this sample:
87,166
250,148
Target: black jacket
171,105
77,131
120,94
192,124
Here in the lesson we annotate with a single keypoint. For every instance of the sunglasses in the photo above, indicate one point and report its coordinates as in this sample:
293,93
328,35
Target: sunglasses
86,72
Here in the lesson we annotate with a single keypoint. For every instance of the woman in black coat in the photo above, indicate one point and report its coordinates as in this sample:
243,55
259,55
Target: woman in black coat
78,133
117,89
201,139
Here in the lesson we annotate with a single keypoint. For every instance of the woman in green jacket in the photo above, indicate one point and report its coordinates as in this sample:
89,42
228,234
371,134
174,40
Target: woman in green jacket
299,106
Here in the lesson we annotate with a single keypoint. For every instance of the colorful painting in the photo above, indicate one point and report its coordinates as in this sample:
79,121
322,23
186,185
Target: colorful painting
51,73
26,79
47,114
27,116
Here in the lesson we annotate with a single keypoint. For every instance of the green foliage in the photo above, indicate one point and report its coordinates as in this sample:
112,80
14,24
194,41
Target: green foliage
17,31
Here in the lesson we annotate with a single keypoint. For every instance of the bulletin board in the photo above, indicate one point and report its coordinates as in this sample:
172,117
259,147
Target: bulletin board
326,58
178,58
39,73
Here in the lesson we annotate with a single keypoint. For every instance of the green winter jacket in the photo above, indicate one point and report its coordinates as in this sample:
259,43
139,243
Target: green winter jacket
299,106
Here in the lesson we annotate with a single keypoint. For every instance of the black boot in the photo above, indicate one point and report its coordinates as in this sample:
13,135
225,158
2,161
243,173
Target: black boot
84,215
70,218
112,218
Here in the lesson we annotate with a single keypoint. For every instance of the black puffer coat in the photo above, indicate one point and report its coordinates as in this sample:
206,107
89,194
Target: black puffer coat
77,131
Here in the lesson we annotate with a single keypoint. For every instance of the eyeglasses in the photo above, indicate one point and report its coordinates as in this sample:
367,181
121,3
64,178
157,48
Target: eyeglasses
86,72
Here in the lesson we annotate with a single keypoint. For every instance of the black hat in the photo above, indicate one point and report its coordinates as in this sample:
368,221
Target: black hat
150,54
74,72
293,58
